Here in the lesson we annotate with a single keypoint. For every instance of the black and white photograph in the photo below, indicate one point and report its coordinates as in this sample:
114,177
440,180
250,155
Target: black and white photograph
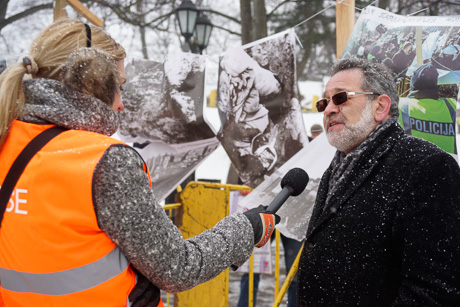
163,117
262,125
164,101
171,164
295,213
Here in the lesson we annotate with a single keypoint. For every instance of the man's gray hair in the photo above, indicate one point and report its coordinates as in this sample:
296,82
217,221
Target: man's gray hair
377,78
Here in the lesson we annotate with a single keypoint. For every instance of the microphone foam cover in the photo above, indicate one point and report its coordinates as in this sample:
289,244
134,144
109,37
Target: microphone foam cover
297,179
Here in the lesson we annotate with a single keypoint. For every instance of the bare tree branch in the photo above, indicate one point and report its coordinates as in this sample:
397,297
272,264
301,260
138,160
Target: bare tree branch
3,7
25,13
278,6
211,11
225,29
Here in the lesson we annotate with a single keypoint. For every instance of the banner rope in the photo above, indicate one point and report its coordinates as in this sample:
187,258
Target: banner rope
334,4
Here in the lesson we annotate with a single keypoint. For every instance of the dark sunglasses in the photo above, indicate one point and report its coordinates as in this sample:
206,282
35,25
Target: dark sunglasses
338,99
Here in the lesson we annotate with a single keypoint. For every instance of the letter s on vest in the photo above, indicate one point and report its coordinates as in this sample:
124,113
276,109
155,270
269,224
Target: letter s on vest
18,197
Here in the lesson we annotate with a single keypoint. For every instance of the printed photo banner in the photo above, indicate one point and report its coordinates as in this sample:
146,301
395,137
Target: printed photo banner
262,124
163,117
423,52
295,213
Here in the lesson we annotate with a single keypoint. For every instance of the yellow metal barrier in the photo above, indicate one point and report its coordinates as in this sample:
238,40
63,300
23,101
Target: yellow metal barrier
202,205
251,281
289,278
277,263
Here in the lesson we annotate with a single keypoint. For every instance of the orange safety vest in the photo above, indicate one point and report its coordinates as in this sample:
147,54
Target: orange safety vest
52,251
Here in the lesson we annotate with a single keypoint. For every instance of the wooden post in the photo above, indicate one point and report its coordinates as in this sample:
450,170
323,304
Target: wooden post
82,10
59,9
345,21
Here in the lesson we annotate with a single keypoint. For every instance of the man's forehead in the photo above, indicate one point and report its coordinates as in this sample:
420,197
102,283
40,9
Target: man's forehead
334,90
344,80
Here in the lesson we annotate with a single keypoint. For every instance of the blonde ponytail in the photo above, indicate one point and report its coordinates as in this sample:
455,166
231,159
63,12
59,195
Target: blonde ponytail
50,51
11,97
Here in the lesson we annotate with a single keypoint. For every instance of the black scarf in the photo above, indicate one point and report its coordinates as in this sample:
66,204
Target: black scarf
342,163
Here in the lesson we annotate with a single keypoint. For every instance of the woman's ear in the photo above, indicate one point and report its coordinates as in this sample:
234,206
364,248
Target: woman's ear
382,108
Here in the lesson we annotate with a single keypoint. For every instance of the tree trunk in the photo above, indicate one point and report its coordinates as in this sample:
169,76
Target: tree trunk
246,21
260,20
3,7
384,4
140,11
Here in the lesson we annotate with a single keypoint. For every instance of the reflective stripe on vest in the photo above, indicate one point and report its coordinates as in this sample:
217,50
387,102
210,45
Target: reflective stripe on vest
69,281
430,119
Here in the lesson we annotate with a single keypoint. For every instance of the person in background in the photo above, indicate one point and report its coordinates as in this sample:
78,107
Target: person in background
81,225
426,113
401,60
384,228
315,130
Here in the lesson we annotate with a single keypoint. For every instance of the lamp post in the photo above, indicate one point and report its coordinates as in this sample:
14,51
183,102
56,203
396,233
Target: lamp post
203,31
194,26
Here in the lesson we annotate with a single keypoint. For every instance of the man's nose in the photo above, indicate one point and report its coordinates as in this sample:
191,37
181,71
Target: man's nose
331,108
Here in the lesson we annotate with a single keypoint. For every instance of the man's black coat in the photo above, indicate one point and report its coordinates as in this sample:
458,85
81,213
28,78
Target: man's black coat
390,236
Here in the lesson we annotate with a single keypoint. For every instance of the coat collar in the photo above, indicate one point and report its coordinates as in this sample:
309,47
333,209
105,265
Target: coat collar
353,179
49,101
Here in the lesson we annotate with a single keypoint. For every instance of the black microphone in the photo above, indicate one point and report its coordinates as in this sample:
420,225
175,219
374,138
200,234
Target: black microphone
292,184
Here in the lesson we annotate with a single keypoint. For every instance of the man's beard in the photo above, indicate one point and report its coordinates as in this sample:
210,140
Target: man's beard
352,135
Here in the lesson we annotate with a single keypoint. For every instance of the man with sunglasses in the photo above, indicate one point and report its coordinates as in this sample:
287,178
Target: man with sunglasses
385,227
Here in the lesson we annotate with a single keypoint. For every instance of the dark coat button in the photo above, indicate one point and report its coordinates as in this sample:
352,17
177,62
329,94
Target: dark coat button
309,246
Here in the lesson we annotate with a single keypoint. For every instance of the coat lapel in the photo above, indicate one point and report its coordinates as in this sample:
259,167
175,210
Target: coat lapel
320,200
352,181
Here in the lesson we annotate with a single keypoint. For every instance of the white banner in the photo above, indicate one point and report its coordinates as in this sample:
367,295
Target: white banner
295,213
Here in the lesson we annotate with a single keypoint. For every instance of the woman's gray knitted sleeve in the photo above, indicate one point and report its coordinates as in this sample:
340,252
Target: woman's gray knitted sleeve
128,213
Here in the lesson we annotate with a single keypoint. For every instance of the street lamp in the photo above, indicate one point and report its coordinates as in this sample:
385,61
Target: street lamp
186,14
203,31
194,23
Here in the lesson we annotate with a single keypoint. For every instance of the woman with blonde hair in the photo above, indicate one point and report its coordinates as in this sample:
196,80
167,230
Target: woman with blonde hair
79,222
47,56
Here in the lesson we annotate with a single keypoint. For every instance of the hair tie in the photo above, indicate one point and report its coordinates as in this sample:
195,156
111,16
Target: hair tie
88,35
30,65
